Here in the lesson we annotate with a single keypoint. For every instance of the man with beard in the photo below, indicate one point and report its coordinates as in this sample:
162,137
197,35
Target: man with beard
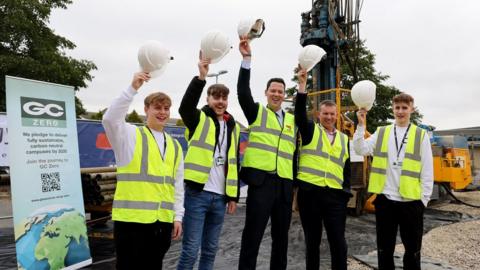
211,169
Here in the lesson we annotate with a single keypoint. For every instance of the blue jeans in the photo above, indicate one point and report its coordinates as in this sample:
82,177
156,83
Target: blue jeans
202,224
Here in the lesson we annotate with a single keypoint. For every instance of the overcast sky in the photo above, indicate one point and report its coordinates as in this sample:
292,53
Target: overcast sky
430,49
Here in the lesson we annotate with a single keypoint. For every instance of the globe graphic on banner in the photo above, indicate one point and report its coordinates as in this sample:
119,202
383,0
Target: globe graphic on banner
51,238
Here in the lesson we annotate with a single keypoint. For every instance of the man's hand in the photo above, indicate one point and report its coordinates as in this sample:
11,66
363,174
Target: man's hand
139,78
231,207
177,230
244,48
302,79
362,117
203,67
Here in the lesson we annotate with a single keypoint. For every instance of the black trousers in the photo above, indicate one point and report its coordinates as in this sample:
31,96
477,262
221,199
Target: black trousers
141,246
390,216
271,199
327,207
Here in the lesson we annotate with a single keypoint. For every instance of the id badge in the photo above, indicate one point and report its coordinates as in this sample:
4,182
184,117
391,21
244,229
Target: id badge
397,165
219,161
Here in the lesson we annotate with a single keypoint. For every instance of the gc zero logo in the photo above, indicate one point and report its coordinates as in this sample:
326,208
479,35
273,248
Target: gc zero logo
43,112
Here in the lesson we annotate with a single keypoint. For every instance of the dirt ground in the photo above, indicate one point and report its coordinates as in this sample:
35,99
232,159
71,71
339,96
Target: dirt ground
451,236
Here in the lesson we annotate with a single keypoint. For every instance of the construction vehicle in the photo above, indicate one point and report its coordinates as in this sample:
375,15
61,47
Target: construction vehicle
451,160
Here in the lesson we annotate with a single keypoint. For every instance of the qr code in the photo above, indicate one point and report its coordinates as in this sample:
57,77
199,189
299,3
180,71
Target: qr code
50,181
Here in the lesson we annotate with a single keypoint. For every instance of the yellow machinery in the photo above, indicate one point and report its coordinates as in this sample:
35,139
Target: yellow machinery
451,157
451,162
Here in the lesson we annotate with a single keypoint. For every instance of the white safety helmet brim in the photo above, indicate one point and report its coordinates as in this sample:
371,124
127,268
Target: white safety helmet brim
309,56
153,58
214,46
363,94
251,28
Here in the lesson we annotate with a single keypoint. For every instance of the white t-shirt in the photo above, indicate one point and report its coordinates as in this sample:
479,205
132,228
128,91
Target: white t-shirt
216,179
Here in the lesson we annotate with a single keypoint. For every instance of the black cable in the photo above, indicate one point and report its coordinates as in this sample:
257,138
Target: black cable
445,186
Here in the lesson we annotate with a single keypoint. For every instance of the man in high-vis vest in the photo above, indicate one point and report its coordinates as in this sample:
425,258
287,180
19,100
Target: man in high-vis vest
402,177
323,180
211,169
267,168
148,204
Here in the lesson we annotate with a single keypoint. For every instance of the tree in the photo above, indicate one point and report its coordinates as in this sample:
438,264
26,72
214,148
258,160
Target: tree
98,115
381,112
30,49
133,117
180,123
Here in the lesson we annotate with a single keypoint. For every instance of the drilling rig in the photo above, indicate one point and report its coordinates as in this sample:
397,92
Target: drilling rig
333,25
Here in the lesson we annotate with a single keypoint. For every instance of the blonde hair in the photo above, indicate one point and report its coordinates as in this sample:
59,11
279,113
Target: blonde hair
157,98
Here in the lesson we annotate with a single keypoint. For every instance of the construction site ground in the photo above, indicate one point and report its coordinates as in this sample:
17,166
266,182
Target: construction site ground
451,240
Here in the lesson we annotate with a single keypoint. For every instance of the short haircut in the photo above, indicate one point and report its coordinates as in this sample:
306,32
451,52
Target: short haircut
277,80
403,98
327,103
218,90
157,98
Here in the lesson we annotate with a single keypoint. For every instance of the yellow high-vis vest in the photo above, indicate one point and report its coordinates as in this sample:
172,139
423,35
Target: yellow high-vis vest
199,157
410,184
145,190
322,163
271,146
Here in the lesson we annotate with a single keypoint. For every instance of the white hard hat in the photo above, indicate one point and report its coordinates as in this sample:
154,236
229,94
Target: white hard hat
153,57
363,94
251,28
215,45
309,56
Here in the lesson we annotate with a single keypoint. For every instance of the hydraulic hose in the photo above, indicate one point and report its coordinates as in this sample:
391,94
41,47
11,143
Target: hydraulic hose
445,186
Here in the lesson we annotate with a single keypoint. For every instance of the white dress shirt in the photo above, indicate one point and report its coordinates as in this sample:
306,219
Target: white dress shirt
366,147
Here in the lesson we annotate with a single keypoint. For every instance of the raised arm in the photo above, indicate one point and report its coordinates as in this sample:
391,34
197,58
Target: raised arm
362,146
118,131
188,107
248,105
305,126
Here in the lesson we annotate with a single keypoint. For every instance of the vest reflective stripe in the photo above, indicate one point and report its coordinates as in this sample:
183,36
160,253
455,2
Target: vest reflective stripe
146,186
322,163
147,178
410,185
321,173
196,167
271,146
199,158
142,205
231,184
271,149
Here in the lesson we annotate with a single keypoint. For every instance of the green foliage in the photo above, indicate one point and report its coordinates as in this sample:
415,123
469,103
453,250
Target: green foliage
133,117
381,112
291,91
98,115
180,123
30,49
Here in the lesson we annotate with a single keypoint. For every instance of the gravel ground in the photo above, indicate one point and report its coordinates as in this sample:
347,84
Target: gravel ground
457,244
354,264
471,197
